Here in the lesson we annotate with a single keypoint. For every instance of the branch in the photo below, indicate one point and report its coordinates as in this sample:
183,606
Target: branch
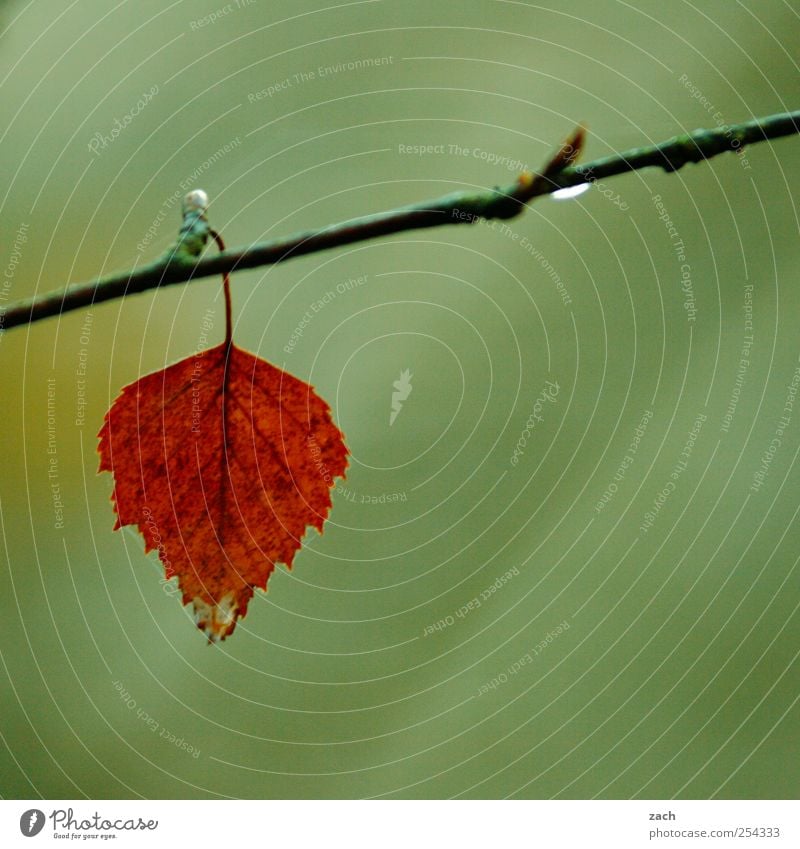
182,263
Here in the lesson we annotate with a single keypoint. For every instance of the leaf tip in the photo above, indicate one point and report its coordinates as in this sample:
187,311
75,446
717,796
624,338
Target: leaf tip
218,620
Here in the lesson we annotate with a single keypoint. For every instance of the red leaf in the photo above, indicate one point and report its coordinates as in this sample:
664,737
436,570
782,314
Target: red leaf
222,463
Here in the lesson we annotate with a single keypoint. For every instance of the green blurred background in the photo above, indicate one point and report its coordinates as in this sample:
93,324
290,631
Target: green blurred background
677,673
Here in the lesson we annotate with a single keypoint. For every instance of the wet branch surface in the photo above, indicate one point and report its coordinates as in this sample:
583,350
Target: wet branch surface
184,261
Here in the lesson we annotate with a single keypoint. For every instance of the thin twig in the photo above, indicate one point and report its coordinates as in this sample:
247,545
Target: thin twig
180,265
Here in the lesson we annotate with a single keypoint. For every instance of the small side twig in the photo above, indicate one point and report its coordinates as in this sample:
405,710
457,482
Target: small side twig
180,265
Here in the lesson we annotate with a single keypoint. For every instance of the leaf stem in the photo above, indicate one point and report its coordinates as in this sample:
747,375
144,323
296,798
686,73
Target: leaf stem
226,286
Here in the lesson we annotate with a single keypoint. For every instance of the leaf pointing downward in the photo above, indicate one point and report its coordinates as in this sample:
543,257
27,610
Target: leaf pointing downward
222,462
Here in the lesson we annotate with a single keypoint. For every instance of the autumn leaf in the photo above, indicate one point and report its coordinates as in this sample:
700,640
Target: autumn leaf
222,461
